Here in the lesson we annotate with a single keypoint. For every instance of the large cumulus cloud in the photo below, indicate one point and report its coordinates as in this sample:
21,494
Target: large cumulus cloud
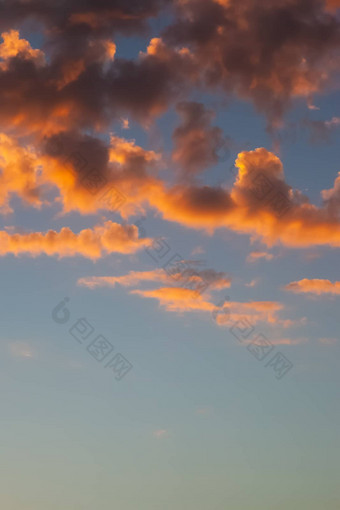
58,102
268,52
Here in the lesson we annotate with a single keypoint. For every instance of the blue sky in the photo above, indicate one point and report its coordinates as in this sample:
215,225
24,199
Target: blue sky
196,416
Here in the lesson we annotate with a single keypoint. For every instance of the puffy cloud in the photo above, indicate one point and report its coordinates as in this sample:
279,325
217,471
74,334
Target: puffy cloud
314,286
92,176
94,18
90,243
88,87
332,198
19,173
82,85
266,51
30,102
269,52
277,212
13,46
260,204
163,75
196,141
195,206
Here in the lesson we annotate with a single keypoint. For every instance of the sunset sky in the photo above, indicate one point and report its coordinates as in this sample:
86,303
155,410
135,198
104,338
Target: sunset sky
169,254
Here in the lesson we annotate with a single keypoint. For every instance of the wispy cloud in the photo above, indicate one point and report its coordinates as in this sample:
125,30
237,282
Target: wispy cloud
215,280
253,282
21,350
258,255
161,433
328,341
288,341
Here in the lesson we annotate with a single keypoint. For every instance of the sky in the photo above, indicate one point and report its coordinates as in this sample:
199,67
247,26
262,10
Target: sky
169,249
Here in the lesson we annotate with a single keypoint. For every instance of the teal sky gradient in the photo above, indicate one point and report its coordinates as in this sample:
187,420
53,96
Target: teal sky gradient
198,423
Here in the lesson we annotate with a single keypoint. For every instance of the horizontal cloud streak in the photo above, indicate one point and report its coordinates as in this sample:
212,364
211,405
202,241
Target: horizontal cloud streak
314,286
187,276
90,243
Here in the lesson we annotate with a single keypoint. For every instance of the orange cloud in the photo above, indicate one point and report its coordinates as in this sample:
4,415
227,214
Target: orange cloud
314,286
333,4
288,341
221,45
129,280
56,101
196,142
90,243
181,297
187,276
236,49
253,312
256,255
19,173
83,86
177,299
92,176
96,20
13,46
260,204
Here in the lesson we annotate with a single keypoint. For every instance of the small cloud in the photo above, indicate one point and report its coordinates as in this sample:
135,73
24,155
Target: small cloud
289,341
183,273
256,255
314,286
328,341
334,122
197,251
311,255
125,123
313,107
21,350
203,411
74,365
321,130
253,282
161,433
